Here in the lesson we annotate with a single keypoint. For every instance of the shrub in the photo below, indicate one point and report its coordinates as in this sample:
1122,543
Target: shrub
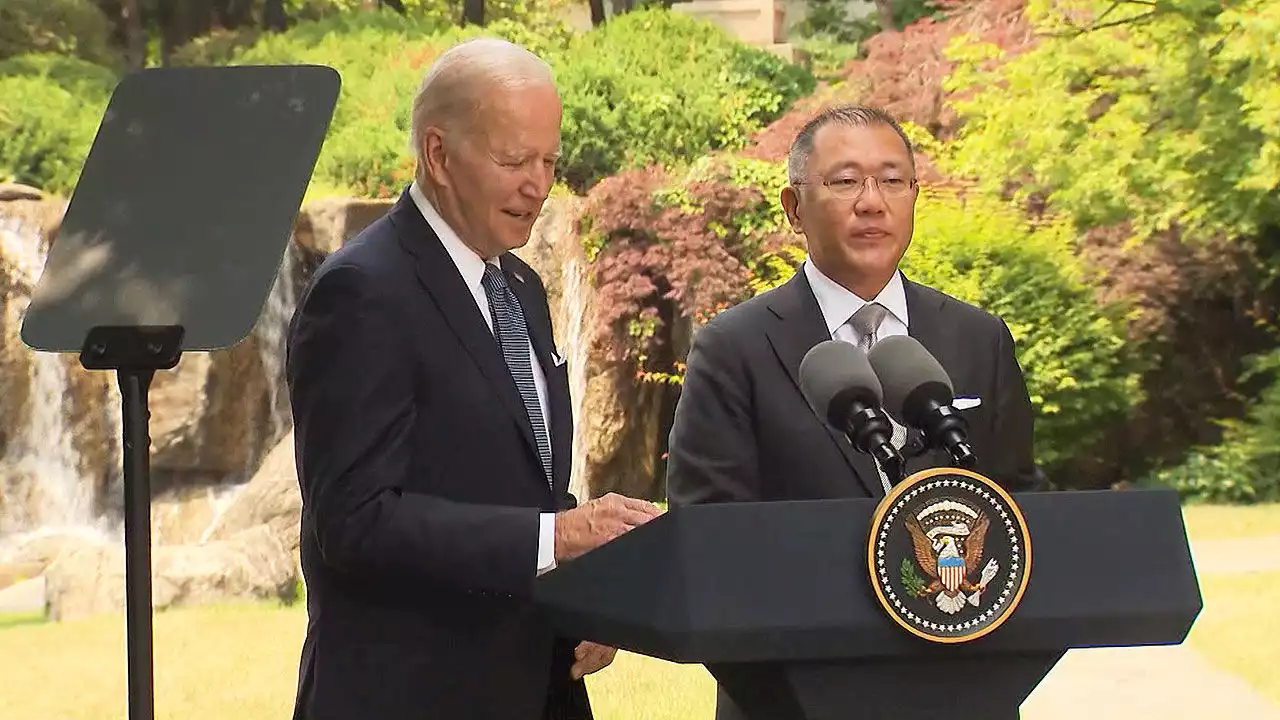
1168,122
649,86
382,58
670,248
67,27
1072,349
1245,467
654,86
46,130
78,77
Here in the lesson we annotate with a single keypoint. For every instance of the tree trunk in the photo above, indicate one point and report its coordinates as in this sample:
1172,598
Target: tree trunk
597,12
135,34
473,12
273,17
884,8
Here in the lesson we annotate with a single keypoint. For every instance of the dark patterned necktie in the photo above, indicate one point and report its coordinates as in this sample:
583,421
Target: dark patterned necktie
513,337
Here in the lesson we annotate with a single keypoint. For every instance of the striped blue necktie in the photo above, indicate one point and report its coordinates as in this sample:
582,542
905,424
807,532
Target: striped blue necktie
513,338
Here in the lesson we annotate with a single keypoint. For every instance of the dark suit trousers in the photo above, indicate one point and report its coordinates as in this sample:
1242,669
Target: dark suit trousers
566,699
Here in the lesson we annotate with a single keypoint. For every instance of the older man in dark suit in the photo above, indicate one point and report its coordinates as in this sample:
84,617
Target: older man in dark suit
433,428
744,432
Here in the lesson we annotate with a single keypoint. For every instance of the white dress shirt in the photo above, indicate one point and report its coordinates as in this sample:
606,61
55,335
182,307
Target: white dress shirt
471,266
838,304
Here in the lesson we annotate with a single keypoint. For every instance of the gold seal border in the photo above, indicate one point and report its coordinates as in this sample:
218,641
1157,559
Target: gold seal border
883,507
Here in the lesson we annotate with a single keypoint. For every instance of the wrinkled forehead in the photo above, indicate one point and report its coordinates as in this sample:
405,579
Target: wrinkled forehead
524,118
869,149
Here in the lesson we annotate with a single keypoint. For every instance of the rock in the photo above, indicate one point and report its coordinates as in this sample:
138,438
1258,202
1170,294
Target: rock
30,555
185,515
327,223
18,191
251,564
26,596
271,498
555,252
13,574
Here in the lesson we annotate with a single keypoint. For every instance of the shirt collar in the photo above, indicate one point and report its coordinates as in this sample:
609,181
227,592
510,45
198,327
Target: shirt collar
469,263
838,304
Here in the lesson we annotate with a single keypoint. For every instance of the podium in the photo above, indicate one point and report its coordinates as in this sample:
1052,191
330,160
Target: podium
775,600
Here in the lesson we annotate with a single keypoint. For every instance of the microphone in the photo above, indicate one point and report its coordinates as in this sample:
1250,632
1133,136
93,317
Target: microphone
838,382
918,392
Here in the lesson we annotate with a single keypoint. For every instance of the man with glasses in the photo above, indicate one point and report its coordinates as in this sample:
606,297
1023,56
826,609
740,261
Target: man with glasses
743,431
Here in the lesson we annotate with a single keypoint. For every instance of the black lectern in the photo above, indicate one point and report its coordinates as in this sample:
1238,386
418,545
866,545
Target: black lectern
174,234
775,600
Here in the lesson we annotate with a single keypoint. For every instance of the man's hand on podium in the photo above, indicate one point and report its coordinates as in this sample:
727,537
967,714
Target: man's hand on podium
590,657
598,521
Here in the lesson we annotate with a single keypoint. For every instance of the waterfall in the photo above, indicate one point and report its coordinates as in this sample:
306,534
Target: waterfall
43,486
271,331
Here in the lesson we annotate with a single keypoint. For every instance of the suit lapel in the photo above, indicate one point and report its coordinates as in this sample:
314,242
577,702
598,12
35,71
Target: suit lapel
801,328
540,332
440,277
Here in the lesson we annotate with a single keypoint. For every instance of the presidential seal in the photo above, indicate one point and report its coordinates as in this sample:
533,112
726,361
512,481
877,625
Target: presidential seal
949,555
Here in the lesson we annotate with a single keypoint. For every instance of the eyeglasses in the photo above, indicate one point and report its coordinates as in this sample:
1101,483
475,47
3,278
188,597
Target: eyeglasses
852,187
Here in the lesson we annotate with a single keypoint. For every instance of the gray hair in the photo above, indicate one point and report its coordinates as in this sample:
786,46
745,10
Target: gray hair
853,115
457,83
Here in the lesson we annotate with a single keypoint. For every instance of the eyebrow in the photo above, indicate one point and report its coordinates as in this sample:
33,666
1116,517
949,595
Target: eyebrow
853,164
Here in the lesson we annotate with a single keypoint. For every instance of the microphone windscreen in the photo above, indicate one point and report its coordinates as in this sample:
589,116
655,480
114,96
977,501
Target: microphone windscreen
832,375
910,376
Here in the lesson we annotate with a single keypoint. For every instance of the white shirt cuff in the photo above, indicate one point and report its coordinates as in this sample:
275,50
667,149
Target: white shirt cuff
546,542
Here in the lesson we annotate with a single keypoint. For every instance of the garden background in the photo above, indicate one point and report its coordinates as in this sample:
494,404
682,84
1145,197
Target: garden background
1105,175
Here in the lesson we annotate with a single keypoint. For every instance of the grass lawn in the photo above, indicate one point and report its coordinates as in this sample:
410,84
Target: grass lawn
239,661
1239,628
1221,522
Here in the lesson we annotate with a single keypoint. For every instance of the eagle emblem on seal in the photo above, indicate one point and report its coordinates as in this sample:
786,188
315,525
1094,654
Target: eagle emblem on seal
947,536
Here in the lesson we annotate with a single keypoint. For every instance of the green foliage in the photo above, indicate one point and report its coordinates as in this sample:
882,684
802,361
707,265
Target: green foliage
382,58
78,77
1245,467
1079,373
828,54
1172,120
47,125
649,86
217,48
654,86
68,27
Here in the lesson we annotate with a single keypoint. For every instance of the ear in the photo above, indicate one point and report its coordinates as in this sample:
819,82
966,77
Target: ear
791,205
433,151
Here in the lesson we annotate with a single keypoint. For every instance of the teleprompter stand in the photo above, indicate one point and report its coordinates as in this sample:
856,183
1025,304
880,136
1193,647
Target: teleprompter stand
172,240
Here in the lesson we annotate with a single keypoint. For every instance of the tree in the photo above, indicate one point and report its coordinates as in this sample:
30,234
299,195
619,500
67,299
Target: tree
1164,115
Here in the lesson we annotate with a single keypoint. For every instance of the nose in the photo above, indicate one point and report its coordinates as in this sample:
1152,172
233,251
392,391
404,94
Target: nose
870,202
538,180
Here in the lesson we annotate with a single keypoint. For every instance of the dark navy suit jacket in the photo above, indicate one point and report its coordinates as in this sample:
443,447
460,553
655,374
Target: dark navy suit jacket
421,490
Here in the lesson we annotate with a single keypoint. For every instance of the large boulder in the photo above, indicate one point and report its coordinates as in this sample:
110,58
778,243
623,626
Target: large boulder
251,564
271,499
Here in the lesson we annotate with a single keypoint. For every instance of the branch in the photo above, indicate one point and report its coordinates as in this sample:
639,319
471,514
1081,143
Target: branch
1098,23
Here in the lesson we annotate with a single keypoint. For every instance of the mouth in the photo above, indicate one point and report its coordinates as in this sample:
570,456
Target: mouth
523,216
871,233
